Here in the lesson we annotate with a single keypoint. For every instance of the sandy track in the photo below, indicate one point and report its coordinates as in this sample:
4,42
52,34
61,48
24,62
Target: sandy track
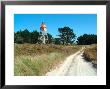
74,65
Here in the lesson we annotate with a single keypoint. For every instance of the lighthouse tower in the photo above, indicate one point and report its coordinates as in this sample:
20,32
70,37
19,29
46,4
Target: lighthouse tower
43,33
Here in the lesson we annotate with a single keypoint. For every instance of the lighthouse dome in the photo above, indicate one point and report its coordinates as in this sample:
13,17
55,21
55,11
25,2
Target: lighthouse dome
43,27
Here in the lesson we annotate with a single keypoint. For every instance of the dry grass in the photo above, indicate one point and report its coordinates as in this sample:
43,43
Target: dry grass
36,49
90,53
36,60
37,65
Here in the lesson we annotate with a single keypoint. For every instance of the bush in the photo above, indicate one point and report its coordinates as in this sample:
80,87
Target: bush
19,40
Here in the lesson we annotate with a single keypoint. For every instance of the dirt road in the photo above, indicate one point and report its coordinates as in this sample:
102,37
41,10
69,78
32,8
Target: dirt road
74,65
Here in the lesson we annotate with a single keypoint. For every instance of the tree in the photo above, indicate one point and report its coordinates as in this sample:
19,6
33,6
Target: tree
87,39
26,36
18,39
34,36
22,36
67,35
29,37
57,41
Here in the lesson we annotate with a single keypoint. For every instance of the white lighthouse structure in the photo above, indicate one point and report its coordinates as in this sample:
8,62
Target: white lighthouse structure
43,33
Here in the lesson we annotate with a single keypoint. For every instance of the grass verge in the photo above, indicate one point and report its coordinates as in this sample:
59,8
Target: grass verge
36,60
90,54
37,65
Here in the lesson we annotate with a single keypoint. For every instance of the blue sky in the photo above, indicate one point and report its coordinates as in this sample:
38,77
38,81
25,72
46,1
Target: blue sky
80,23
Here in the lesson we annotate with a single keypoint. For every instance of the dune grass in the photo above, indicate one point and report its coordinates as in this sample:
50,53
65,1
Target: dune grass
90,53
36,60
37,65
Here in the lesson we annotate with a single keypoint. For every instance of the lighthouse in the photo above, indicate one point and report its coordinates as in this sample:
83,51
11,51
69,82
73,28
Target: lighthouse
43,31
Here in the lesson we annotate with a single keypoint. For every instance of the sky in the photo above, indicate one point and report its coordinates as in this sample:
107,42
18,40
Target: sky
80,23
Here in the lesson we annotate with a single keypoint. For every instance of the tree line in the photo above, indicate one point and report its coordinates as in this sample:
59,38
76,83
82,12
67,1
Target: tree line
66,36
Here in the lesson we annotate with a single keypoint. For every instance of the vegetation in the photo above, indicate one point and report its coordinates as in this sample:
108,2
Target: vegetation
66,35
87,39
90,54
25,36
35,60
36,65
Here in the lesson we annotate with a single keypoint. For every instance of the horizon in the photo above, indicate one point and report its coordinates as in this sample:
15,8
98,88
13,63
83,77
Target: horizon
77,22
